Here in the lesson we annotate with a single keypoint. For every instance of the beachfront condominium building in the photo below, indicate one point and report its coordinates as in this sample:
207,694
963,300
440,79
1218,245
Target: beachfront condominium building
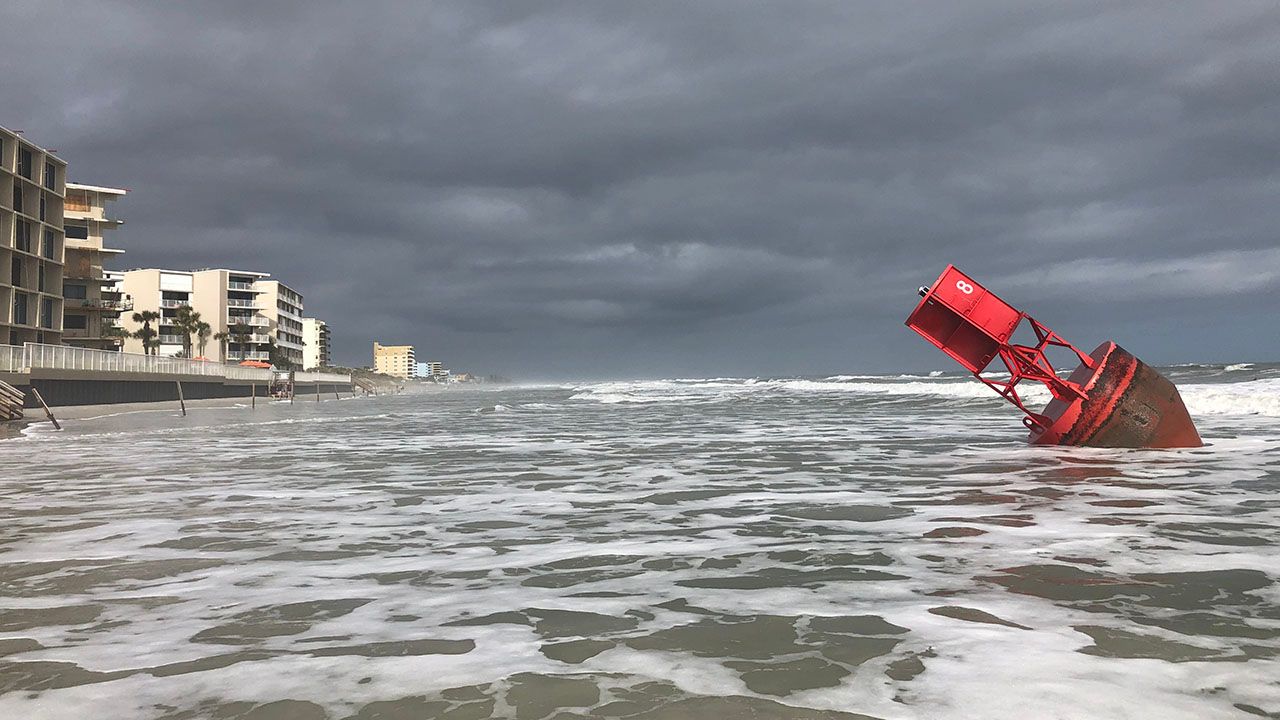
395,360
32,189
159,293
315,344
283,307
246,312
91,303
434,370
235,306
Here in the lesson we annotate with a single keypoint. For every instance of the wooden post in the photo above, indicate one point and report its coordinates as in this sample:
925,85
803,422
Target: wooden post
254,391
181,399
48,413
317,392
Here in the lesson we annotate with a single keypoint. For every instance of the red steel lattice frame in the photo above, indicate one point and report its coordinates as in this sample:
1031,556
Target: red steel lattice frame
1030,363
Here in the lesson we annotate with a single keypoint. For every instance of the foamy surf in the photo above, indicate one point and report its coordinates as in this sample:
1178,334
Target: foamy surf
785,548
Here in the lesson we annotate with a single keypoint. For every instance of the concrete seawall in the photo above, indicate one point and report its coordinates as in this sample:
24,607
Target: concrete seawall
61,388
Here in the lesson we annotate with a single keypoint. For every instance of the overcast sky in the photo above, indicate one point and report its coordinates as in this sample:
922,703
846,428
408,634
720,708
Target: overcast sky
648,189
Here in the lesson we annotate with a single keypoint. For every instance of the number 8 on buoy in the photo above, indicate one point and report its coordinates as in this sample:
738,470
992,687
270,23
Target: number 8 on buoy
964,287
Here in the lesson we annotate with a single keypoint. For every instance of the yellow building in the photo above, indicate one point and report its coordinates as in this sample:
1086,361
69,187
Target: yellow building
395,360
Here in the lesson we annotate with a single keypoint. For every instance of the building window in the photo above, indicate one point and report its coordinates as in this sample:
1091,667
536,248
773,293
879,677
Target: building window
75,322
24,236
20,309
40,278
15,272
46,313
75,292
77,232
50,176
17,197
24,163
44,209
48,248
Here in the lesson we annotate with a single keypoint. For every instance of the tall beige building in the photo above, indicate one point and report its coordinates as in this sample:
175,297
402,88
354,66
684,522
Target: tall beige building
161,292
32,190
230,299
395,360
315,344
91,304
267,310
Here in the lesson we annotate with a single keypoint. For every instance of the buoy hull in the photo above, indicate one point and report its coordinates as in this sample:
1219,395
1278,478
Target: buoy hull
1127,404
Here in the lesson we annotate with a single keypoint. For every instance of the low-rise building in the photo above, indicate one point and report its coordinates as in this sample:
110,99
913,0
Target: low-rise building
91,304
395,360
32,191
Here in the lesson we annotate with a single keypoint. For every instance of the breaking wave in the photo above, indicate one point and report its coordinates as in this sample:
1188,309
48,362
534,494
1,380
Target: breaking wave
1251,397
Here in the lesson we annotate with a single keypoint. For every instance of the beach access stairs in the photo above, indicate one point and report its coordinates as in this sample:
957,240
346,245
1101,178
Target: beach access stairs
11,401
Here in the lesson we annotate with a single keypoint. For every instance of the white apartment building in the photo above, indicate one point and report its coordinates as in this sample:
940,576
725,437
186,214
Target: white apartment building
32,190
91,304
283,306
315,344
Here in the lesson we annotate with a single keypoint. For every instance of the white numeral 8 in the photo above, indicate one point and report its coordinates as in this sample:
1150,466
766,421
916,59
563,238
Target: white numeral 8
964,287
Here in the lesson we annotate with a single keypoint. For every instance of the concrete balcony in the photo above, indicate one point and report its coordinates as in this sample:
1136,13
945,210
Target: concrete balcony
251,321
167,303
232,302
105,305
234,285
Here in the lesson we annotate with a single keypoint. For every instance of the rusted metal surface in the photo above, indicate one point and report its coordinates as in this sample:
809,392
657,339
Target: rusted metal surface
1127,403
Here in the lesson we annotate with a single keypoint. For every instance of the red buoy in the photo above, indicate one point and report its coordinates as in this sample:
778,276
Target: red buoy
1112,399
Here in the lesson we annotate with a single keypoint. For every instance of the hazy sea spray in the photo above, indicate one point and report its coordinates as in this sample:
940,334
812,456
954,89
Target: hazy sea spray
879,545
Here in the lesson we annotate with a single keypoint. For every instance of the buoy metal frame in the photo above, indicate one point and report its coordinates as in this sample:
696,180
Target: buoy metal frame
1112,399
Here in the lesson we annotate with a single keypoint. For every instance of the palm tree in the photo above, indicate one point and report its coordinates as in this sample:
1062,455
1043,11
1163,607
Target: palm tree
146,333
186,321
240,333
222,338
203,329
116,333
277,357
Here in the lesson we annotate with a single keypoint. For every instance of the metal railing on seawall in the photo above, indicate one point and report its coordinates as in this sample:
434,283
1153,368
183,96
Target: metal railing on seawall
11,358
237,372
321,377
65,357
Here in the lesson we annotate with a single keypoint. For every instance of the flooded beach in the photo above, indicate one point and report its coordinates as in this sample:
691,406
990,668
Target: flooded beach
843,547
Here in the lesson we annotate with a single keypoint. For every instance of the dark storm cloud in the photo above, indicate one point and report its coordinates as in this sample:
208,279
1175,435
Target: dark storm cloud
553,188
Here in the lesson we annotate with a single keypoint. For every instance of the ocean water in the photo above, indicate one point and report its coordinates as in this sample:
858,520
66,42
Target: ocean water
844,547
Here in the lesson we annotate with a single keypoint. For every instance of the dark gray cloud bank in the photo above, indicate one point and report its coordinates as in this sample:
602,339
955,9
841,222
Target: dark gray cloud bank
588,189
